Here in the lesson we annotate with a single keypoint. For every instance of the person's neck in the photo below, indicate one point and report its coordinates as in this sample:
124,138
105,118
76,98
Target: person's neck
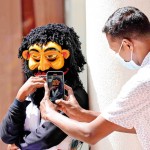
144,48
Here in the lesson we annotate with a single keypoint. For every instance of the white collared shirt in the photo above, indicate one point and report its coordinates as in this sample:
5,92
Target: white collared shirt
33,121
132,106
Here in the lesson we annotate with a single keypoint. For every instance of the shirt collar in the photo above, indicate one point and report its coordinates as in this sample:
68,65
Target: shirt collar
146,60
28,98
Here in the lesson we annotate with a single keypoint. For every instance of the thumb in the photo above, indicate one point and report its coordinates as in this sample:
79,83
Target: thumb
47,92
61,102
61,105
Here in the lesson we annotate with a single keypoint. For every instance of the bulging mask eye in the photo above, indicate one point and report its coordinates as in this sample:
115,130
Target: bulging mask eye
51,57
36,58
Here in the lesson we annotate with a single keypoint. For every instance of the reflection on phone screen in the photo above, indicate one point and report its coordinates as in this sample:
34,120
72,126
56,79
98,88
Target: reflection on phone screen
56,86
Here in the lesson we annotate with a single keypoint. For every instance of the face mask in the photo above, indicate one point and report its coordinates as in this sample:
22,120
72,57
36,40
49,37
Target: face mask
128,64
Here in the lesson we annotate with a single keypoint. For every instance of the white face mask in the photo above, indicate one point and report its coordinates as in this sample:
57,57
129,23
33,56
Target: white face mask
128,64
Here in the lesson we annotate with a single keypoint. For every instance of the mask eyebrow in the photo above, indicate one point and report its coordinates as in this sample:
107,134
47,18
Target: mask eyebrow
51,48
35,50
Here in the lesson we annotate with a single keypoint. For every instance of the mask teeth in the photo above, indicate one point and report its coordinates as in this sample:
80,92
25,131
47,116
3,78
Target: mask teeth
40,73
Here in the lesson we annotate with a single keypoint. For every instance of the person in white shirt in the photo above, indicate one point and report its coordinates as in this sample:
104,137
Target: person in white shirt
128,33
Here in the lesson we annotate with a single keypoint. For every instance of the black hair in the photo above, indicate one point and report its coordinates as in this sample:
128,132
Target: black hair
67,38
60,86
56,78
127,22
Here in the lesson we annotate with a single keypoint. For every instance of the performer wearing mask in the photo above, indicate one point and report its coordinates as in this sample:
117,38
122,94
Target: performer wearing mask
47,48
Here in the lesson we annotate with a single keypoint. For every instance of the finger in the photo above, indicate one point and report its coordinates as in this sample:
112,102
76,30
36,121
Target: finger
62,109
38,84
61,102
42,102
69,89
12,147
48,104
44,116
70,97
46,91
37,79
8,147
66,97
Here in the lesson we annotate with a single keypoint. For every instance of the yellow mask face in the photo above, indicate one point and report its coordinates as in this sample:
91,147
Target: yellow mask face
46,56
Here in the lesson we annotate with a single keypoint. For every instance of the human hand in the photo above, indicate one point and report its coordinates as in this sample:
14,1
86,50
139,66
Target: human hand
69,106
46,106
12,147
29,87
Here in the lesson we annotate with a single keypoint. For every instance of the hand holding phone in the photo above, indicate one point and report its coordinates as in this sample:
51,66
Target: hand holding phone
55,81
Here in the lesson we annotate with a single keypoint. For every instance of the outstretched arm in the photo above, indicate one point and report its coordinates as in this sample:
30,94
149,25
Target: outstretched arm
76,112
90,132
87,132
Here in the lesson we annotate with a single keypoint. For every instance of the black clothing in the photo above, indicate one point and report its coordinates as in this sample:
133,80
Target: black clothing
44,137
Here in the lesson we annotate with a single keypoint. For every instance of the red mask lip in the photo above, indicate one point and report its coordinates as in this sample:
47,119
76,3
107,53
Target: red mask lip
65,72
40,74
44,73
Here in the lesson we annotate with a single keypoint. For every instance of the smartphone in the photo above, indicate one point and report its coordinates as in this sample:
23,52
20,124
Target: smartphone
55,81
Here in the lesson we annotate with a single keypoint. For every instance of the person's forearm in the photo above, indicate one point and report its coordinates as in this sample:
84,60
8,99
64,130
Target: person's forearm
70,127
21,96
87,132
124,130
86,115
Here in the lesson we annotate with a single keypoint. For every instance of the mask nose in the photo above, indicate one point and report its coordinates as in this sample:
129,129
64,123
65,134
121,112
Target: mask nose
43,65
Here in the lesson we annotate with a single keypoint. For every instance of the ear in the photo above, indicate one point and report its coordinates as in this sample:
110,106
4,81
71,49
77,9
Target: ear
65,53
128,44
25,54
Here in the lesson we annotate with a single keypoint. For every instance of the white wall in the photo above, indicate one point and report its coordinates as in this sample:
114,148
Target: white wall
105,74
75,17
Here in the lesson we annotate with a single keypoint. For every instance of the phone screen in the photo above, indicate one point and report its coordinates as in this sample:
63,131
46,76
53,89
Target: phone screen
55,81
